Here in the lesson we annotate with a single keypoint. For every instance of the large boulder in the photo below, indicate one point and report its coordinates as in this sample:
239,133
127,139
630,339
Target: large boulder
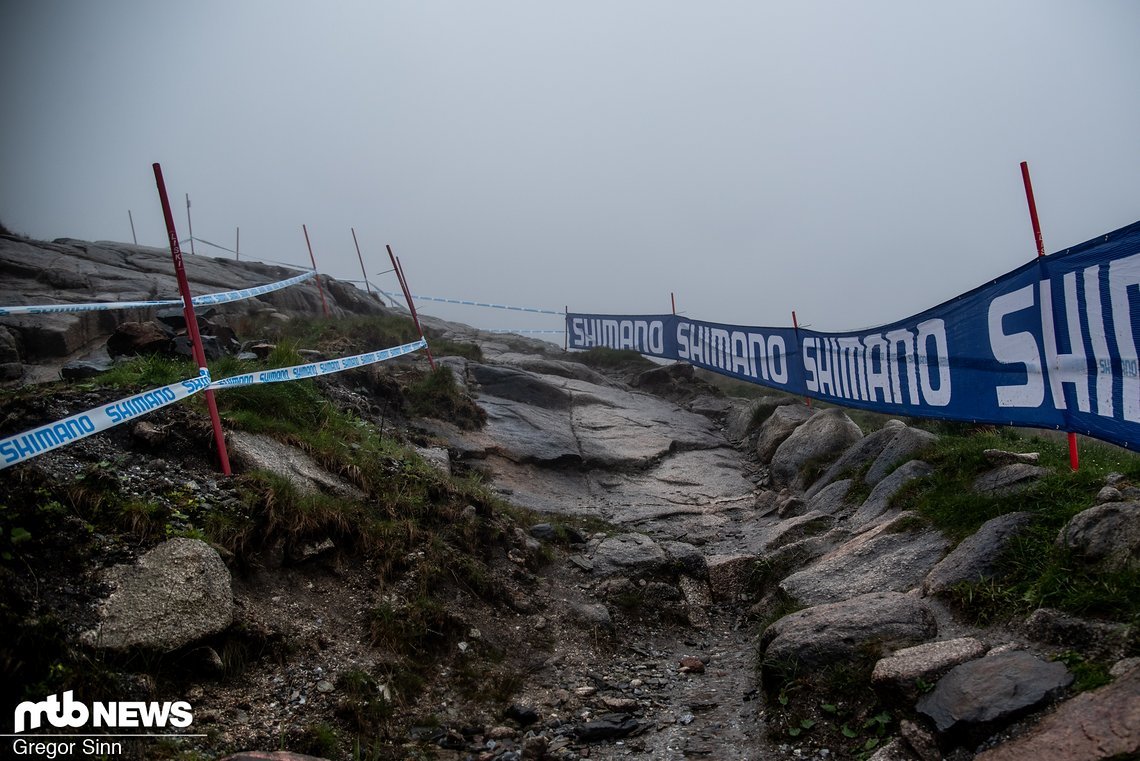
1107,535
976,558
174,595
629,554
132,338
811,447
980,694
1101,724
738,418
843,631
778,427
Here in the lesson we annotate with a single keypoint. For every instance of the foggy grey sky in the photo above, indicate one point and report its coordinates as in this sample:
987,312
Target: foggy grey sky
854,161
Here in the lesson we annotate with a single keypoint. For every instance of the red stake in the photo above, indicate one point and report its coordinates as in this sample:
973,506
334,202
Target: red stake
361,258
411,306
320,290
1074,454
191,318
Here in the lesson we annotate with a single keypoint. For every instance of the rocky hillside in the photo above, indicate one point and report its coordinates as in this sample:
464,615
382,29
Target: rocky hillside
528,554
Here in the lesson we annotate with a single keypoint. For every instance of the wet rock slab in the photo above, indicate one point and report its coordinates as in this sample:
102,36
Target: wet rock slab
992,689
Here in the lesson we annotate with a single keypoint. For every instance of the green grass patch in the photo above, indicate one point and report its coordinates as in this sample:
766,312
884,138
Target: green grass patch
437,395
1035,572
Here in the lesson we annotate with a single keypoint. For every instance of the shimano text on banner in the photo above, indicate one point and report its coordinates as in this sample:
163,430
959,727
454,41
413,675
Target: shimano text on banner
1052,344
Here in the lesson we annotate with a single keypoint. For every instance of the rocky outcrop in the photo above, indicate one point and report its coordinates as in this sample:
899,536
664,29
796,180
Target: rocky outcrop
842,631
69,271
176,594
883,559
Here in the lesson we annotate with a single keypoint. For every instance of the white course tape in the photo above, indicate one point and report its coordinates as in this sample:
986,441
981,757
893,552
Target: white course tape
204,300
313,369
526,331
463,302
26,445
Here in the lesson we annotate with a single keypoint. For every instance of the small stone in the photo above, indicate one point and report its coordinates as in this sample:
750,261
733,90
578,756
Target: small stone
1109,494
324,686
1001,457
620,704
692,664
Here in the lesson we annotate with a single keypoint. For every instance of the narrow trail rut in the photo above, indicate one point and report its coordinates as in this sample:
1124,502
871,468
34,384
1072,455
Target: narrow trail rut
693,688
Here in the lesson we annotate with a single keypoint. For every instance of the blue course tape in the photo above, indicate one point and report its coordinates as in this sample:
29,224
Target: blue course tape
45,438
313,369
26,445
204,300
464,302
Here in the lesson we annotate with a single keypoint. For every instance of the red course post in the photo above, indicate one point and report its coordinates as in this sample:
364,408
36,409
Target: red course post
1074,454
361,258
191,318
320,290
408,296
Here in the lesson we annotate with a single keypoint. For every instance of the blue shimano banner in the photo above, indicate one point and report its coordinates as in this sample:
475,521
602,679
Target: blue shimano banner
1052,344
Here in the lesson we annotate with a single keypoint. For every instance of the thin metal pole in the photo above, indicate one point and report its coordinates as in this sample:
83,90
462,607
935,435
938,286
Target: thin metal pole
133,236
321,290
1074,453
191,318
189,226
796,327
566,323
408,295
673,299
363,273
237,245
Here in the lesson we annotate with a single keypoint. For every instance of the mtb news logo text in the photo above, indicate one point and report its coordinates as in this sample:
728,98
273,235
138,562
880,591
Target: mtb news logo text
69,713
